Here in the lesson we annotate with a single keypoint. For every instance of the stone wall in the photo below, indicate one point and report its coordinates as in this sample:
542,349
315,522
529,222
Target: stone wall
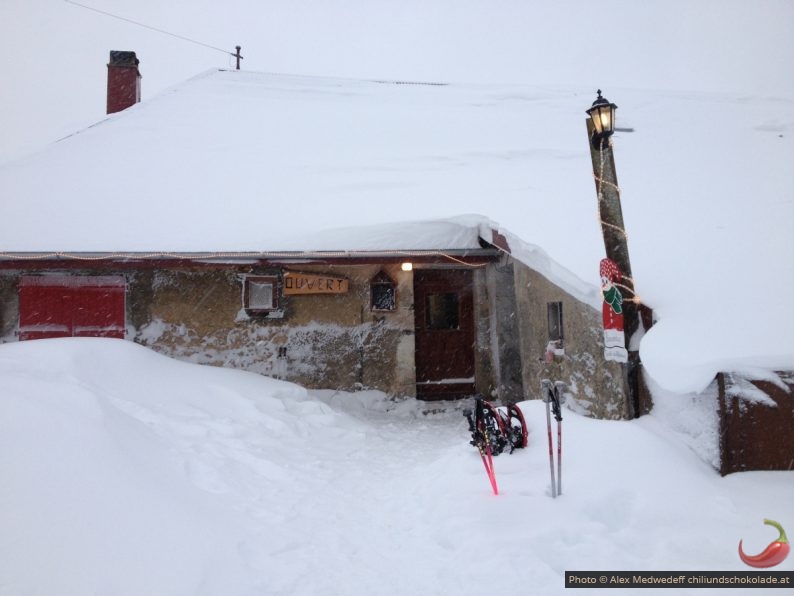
319,340
336,341
595,386
503,335
484,361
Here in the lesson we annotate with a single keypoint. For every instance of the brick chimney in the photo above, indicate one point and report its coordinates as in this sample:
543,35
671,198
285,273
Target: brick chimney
124,81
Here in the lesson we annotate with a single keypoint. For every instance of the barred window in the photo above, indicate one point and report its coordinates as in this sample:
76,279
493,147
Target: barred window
383,293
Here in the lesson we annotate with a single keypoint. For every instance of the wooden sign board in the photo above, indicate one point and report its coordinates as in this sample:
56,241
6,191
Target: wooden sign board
304,283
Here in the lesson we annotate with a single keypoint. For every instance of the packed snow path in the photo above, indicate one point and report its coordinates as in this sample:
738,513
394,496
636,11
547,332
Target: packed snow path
358,502
126,472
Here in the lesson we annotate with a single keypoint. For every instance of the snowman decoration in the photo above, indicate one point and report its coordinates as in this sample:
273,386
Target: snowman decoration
612,312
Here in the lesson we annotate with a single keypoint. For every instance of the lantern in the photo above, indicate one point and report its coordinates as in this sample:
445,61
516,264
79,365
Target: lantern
602,114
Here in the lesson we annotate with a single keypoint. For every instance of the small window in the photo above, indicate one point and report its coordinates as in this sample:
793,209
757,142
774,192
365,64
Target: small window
442,311
261,294
554,311
383,294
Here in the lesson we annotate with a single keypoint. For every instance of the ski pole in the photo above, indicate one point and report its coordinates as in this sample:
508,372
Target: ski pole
559,456
559,399
545,388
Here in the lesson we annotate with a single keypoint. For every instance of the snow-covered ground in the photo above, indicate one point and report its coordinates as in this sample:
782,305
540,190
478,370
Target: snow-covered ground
125,472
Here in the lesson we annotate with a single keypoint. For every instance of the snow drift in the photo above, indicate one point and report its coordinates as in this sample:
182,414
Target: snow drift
126,472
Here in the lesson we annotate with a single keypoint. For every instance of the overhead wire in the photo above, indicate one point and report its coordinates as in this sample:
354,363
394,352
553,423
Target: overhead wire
163,31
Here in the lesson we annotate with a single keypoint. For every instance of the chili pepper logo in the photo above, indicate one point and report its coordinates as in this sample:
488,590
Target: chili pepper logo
774,554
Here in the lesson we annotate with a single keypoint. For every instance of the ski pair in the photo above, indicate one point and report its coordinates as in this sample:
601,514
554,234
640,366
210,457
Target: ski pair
553,394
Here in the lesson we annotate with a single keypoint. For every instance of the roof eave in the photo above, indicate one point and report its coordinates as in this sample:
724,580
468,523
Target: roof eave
130,260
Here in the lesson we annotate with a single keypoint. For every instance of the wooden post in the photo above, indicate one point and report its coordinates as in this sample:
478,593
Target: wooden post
617,249
238,56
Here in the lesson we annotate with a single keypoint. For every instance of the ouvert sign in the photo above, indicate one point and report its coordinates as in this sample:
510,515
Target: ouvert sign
303,283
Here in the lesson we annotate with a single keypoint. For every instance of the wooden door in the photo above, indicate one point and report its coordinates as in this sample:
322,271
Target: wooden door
444,330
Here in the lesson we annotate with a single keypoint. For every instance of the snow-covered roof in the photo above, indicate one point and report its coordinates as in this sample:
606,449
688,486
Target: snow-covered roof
243,161
233,161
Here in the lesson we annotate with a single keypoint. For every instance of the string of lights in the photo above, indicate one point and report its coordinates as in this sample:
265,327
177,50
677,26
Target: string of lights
618,228
600,182
131,256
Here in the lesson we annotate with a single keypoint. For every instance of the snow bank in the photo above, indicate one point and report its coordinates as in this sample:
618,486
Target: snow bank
126,472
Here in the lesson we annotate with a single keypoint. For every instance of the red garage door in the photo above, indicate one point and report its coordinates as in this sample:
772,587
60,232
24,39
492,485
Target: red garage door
71,306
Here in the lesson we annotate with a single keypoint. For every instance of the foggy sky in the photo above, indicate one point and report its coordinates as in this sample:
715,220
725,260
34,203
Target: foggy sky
54,53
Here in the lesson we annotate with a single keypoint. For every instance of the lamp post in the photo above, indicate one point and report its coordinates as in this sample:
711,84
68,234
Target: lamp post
600,126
